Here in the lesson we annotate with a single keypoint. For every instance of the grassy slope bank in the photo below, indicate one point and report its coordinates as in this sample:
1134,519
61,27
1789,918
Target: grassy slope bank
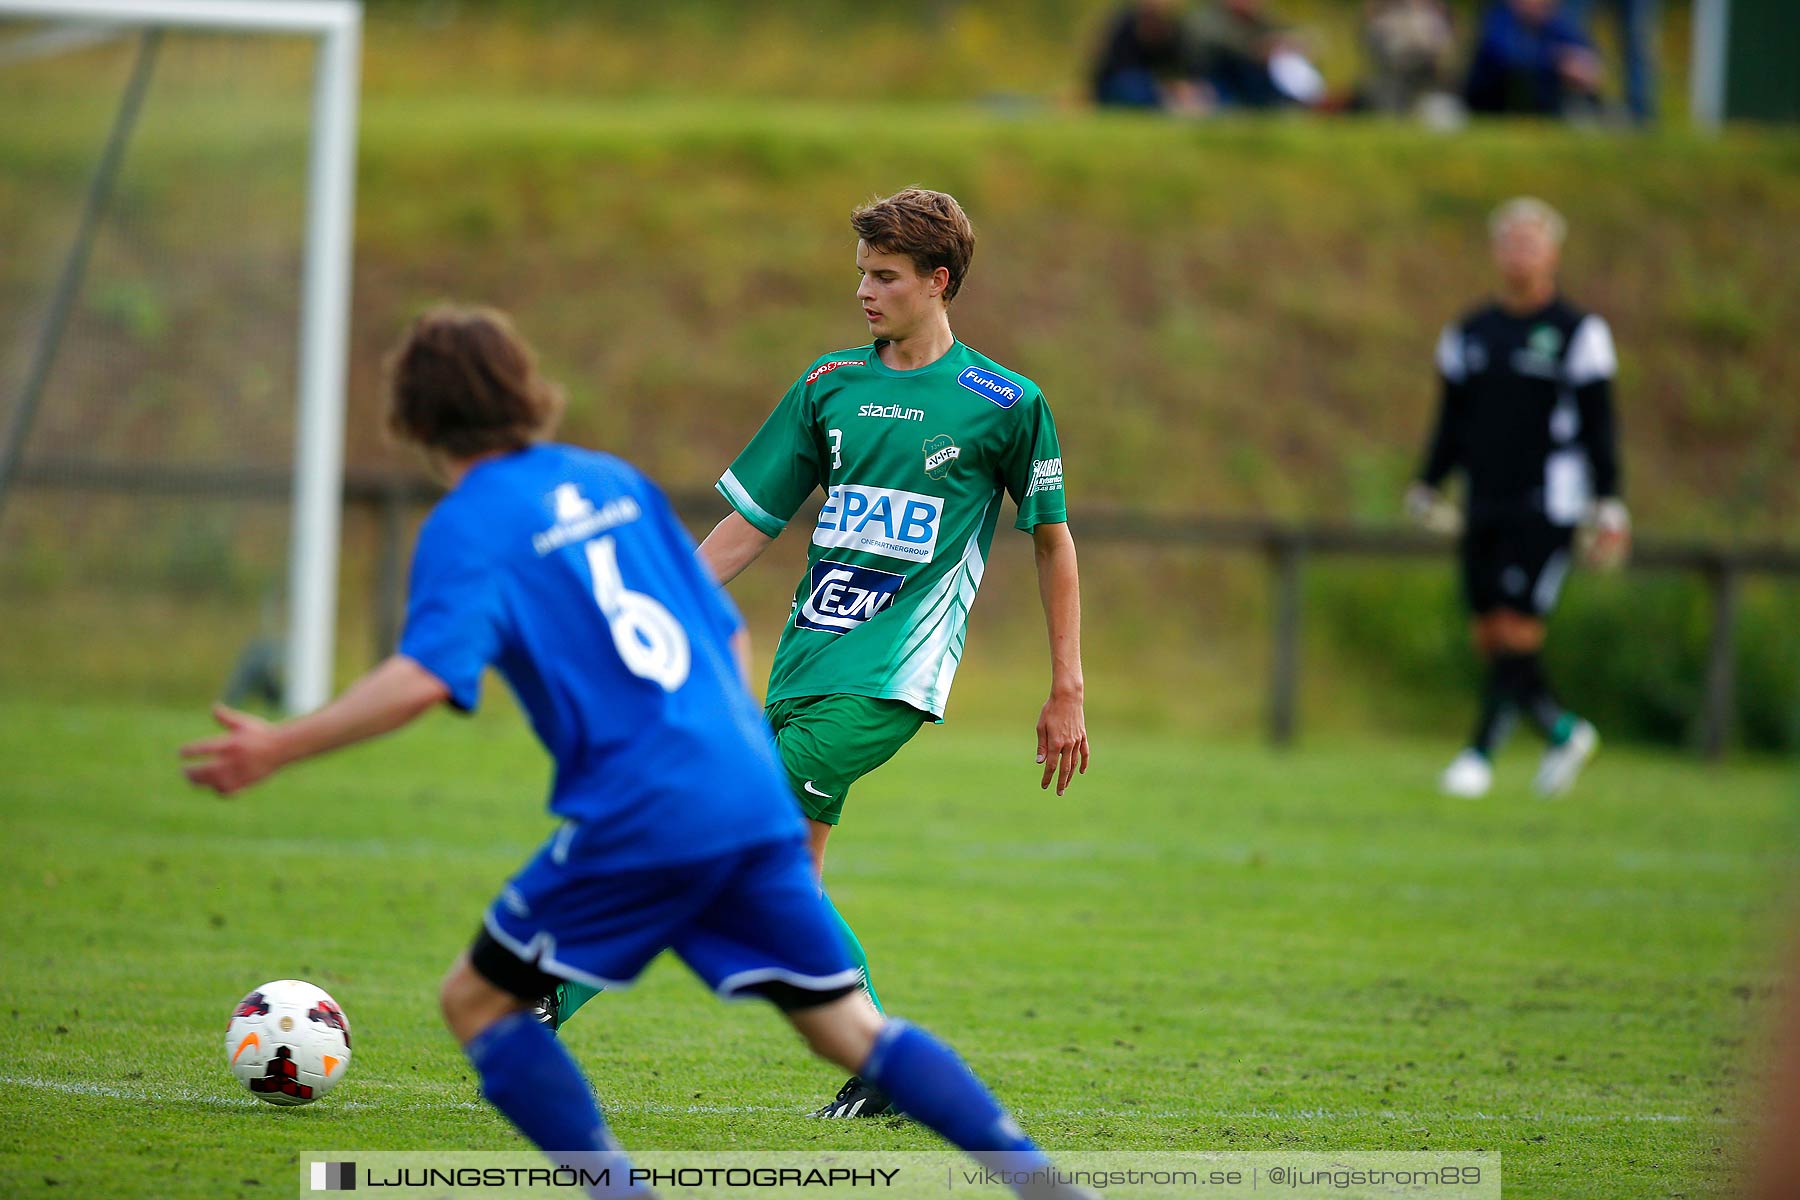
1234,317
1247,310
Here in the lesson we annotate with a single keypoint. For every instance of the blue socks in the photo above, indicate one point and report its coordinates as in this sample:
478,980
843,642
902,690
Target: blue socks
930,1084
528,1075
530,1078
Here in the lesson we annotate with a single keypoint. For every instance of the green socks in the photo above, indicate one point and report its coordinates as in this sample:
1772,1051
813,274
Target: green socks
571,996
857,955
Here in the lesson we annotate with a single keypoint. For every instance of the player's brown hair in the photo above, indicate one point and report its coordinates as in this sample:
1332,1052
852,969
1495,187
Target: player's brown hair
463,381
928,227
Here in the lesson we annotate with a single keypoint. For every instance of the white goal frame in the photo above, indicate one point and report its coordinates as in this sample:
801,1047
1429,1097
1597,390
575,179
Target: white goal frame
324,286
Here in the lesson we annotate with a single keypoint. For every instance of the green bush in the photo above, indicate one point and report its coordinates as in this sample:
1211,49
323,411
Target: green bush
1627,651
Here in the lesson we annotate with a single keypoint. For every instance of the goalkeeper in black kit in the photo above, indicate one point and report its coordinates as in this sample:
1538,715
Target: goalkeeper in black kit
1527,417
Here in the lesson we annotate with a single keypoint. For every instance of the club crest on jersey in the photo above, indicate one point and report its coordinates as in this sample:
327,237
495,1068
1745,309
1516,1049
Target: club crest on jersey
828,368
885,521
1538,358
991,385
840,596
940,455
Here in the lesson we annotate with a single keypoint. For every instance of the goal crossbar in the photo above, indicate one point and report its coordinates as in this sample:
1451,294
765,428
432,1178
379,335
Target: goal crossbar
324,287
318,17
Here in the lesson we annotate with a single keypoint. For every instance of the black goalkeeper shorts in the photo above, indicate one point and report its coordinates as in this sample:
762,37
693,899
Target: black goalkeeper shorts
1517,566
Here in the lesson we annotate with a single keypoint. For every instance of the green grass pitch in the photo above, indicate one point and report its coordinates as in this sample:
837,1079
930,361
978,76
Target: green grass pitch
1201,946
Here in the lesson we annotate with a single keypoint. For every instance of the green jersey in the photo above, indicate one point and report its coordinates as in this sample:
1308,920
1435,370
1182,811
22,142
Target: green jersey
913,464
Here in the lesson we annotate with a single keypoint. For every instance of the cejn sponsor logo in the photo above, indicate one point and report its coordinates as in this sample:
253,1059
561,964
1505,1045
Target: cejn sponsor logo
891,411
992,386
842,596
828,368
885,521
1046,476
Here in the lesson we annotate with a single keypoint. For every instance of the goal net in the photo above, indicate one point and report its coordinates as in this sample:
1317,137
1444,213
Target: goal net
174,290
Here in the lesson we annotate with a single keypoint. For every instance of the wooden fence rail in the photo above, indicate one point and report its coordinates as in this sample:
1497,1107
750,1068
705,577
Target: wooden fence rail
1285,547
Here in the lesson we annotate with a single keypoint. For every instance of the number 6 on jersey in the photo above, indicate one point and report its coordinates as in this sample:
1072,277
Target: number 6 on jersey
651,642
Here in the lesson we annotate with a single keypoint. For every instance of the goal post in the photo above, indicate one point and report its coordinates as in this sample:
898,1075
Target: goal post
324,285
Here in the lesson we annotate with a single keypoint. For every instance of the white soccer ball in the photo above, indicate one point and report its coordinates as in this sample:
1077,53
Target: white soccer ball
288,1042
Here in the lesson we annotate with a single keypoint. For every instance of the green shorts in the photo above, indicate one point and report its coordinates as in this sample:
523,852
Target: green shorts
827,743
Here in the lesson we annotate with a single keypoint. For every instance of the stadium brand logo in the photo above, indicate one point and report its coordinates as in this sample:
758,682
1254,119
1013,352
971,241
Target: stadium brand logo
891,411
885,521
842,596
990,386
940,455
828,368
1046,476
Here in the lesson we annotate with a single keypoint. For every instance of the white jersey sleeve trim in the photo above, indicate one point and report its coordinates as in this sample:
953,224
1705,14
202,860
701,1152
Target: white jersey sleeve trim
1450,355
1591,355
735,492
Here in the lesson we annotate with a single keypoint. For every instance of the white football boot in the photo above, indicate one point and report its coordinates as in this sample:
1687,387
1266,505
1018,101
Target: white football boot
1469,776
1561,764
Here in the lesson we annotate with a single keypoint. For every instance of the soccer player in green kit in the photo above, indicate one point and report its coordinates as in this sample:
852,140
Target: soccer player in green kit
915,438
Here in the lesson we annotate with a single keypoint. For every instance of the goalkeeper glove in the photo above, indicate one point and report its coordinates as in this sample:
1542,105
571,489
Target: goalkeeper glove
1428,508
1607,538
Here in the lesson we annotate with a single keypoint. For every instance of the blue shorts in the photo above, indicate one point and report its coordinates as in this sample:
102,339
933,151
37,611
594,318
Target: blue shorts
745,922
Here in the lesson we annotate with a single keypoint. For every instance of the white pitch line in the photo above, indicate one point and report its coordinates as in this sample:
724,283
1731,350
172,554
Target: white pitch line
180,1095
1385,1114
185,1095
1299,1115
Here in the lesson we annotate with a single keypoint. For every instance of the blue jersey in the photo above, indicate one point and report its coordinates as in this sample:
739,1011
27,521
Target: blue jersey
567,570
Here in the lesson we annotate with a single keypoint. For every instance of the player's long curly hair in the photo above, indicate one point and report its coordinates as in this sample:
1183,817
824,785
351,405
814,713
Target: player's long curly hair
463,382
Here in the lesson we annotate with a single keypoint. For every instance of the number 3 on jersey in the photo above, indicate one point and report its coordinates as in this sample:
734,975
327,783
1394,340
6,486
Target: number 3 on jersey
650,641
837,447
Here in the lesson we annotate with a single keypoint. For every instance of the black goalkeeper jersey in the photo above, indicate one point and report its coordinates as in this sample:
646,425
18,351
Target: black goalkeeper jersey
1527,414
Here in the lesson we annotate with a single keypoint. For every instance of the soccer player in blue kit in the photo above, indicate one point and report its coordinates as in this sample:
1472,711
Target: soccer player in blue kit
567,570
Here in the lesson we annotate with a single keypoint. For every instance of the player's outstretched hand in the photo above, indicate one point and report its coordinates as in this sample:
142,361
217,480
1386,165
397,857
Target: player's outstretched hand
235,759
1062,741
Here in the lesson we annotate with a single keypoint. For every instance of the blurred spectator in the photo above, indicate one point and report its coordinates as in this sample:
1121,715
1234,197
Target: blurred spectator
1530,58
1141,64
1248,58
1637,20
1409,44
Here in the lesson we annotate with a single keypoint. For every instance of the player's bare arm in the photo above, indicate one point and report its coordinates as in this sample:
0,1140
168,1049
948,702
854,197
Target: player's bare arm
1062,727
740,650
733,545
251,749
